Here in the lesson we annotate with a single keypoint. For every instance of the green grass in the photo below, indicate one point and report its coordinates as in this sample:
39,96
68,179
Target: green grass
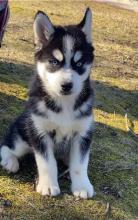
114,156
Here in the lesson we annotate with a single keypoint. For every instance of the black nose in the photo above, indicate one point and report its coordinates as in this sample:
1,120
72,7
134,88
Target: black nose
66,87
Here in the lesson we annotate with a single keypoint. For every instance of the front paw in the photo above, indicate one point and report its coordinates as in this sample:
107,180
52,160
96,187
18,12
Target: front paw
82,189
45,188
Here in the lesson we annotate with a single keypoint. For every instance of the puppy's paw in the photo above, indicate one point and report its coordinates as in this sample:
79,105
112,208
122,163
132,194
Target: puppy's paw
10,164
82,189
44,188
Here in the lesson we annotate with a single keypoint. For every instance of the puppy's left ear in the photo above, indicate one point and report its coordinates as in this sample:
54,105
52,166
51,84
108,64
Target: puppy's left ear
86,23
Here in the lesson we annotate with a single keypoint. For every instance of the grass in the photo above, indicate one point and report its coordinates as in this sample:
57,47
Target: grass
114,157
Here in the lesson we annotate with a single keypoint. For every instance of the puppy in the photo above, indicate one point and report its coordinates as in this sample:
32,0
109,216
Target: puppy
57,122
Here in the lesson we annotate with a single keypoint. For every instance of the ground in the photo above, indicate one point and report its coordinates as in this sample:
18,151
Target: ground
114,153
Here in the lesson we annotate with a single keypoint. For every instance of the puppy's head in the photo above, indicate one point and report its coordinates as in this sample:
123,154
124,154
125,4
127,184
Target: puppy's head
63,55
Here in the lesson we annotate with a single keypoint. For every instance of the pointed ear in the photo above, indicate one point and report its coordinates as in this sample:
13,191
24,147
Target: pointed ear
85,24
43,29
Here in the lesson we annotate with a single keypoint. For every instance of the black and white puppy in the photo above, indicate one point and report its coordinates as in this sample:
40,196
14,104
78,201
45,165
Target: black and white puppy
57,121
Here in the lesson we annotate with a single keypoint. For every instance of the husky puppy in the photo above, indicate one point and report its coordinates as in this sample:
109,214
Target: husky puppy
57,121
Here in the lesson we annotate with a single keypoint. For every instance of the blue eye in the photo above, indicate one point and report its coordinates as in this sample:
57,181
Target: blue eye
53,62
79,64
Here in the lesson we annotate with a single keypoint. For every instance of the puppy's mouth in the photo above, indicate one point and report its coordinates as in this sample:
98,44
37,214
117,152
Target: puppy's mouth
66,93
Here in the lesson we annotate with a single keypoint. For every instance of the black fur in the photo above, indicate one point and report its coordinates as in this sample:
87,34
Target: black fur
85,94
52,134
17,128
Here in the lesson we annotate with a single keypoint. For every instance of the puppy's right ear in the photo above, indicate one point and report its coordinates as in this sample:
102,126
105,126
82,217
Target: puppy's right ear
43,29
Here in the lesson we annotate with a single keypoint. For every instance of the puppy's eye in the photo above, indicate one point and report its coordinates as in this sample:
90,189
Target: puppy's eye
79,64
53,62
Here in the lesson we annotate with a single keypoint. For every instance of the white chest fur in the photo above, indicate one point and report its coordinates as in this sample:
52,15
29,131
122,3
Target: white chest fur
64,123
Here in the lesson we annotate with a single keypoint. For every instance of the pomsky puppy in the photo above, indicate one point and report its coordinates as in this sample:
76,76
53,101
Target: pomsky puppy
57,122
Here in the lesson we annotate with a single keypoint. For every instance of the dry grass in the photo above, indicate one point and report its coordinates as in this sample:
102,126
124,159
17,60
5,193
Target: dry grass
113,165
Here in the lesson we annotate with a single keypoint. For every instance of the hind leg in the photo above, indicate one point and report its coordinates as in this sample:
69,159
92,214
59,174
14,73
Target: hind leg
9,157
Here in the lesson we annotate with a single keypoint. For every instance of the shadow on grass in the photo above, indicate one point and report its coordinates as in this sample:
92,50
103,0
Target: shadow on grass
16,73
10,108
113,99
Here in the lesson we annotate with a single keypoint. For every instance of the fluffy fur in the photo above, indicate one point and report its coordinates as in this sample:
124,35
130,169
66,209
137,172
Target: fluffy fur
57,121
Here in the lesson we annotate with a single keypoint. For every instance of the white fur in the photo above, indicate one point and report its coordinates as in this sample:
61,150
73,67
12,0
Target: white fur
81,186
58,55
68,44
9,161
41,107
77,56
10,157
47,169
21,148
65,122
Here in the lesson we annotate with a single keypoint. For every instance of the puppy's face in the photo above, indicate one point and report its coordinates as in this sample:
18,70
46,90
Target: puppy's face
64,54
